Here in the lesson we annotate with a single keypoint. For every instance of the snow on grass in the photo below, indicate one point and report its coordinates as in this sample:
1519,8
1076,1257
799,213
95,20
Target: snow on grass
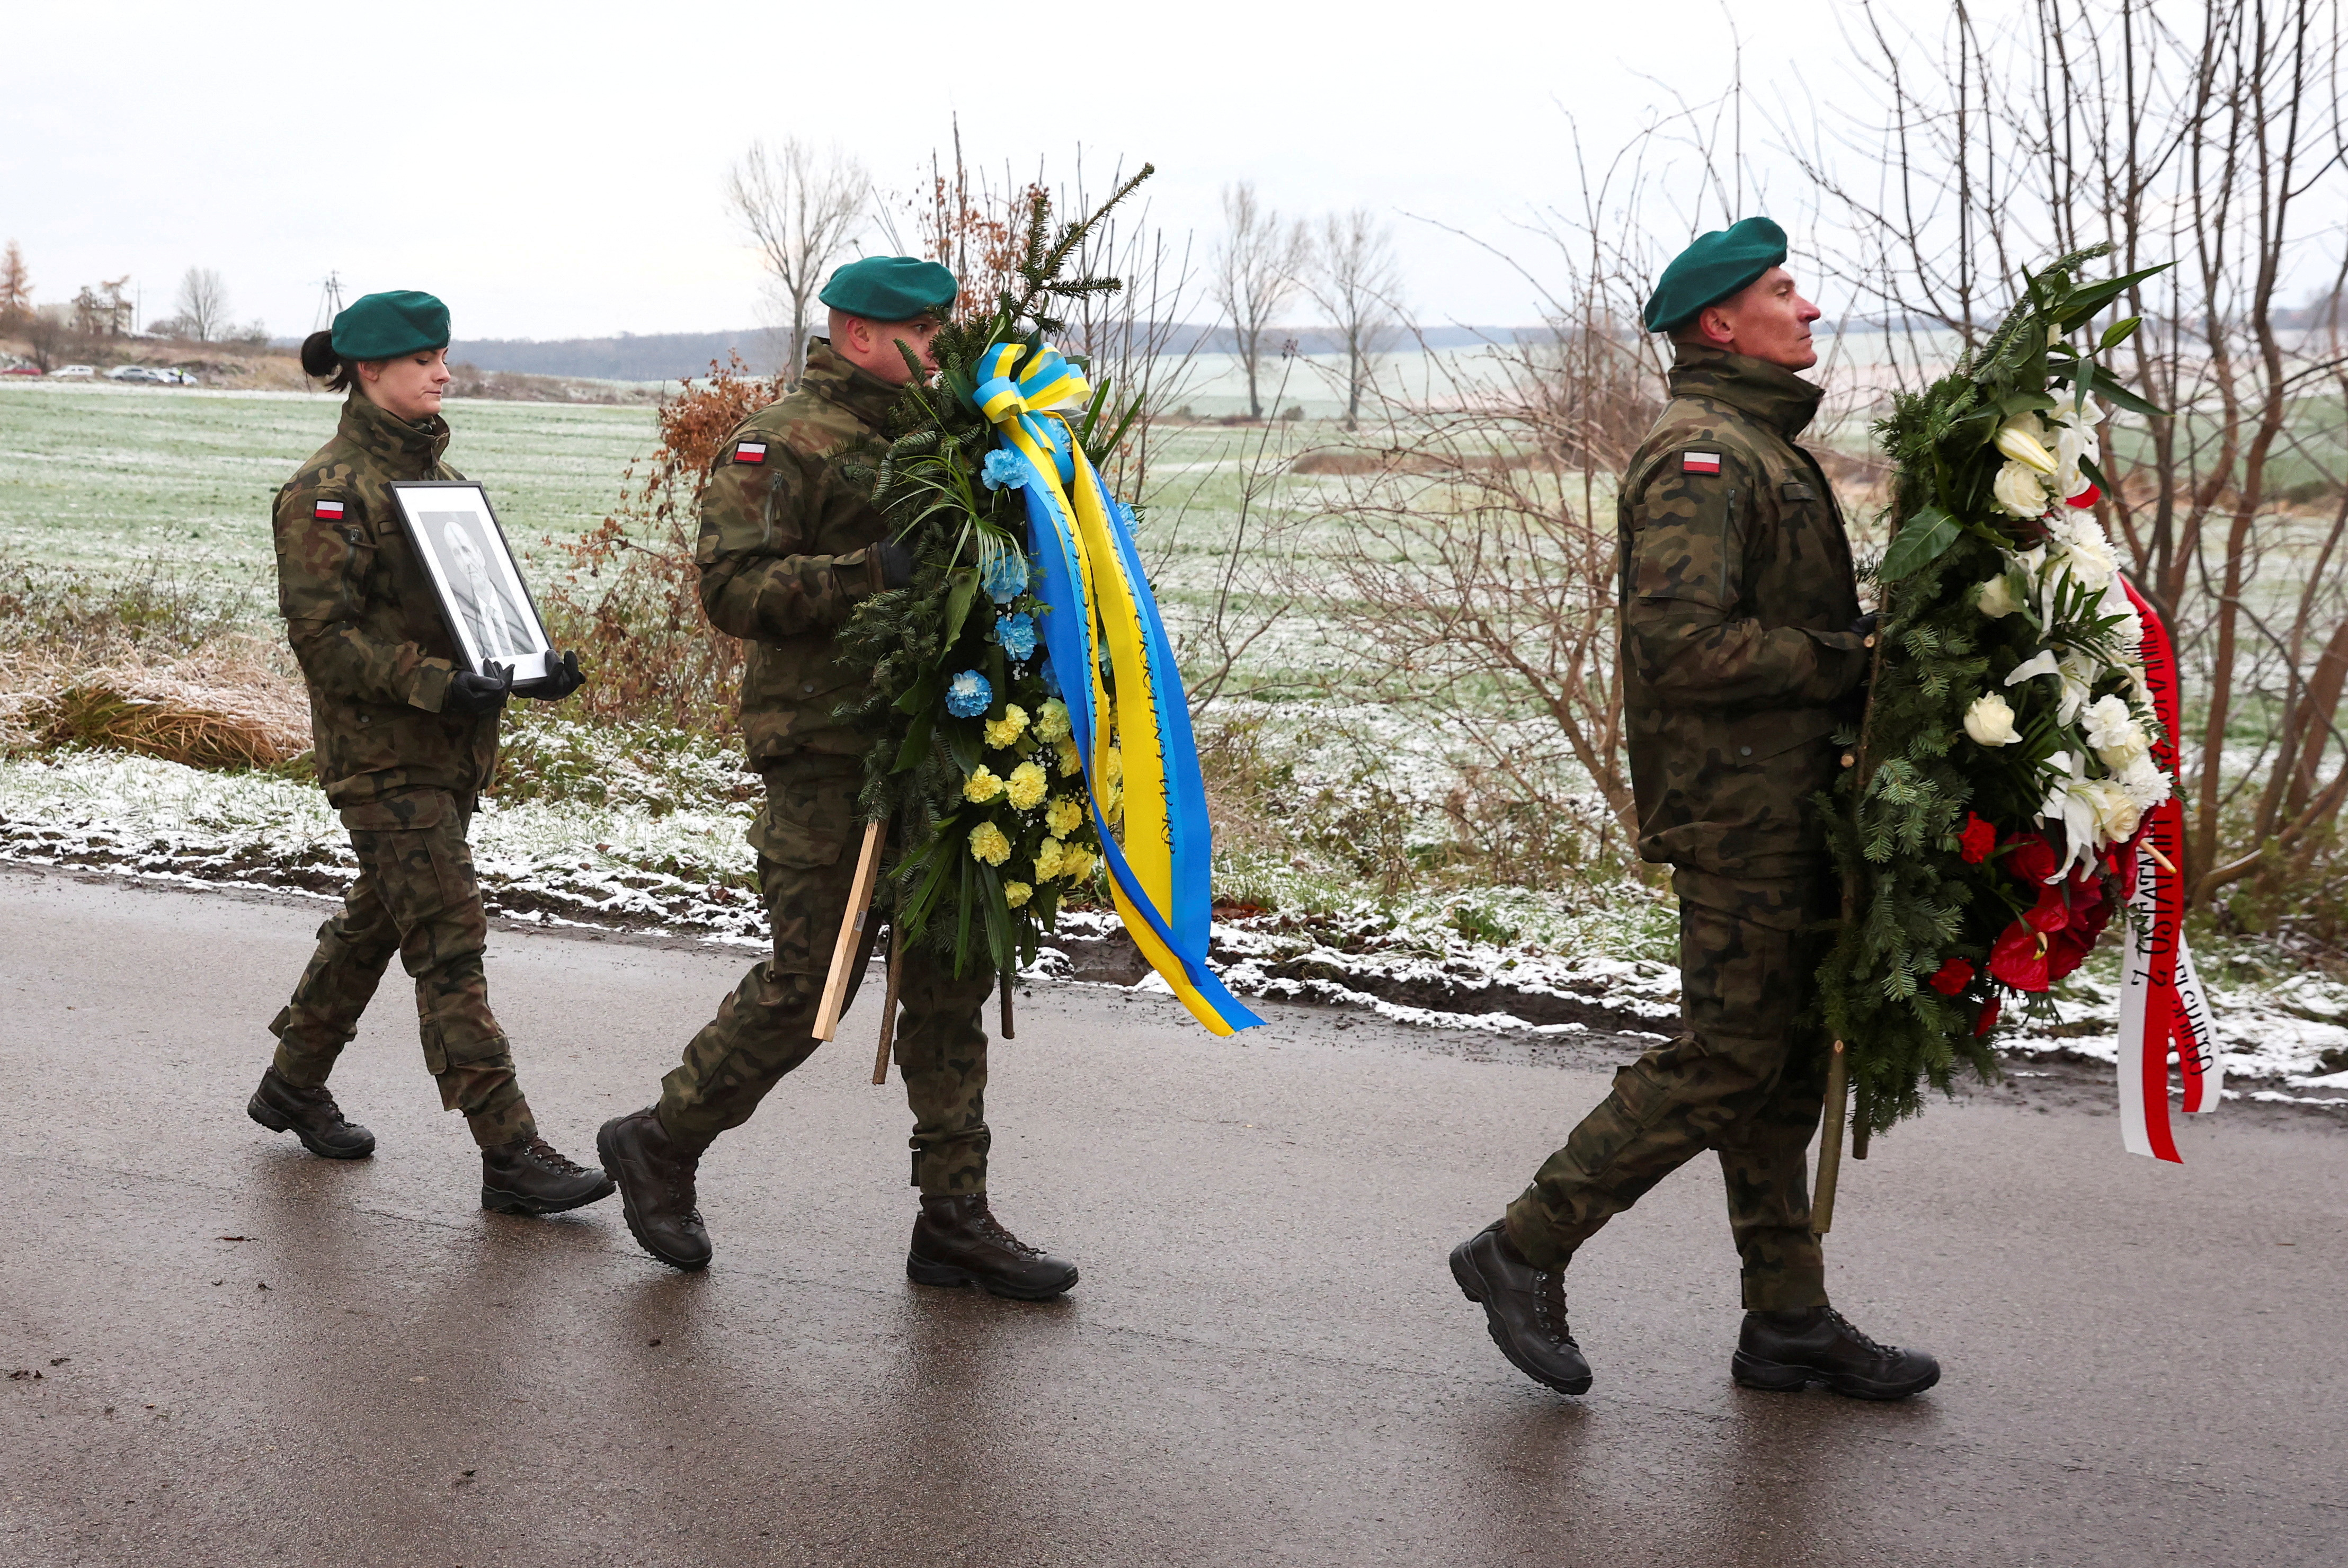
676,859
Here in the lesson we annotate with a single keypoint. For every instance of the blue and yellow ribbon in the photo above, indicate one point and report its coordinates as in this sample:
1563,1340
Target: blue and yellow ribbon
1082,537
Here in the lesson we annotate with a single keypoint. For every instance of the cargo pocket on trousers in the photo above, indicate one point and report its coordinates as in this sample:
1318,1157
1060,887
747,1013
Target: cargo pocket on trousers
805,822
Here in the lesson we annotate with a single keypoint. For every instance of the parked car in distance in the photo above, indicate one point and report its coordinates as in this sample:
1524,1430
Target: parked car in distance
133,373
74,372
175,376
22,370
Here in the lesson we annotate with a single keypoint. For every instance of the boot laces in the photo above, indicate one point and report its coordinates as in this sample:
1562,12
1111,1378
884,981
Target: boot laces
992,1229
1850,1331
553,1158
1548,1295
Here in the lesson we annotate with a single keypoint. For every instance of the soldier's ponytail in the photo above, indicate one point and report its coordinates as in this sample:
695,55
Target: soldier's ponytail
320,361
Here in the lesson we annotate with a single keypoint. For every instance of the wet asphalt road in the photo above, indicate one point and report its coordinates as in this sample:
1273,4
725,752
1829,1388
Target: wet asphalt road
1266,1361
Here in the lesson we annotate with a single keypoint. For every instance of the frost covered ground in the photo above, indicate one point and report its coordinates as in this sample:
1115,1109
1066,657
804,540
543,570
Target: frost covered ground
654,855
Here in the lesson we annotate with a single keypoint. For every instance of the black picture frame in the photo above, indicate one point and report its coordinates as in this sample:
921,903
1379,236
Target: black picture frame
484,599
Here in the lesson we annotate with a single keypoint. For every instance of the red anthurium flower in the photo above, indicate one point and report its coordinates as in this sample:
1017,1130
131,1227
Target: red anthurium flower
2084,499
1952,977
2018,961
1988,1019
1978,839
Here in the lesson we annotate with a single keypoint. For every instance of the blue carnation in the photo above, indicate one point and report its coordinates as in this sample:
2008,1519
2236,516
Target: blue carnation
1005,576
1003,471
1051,681
1017,636
968,695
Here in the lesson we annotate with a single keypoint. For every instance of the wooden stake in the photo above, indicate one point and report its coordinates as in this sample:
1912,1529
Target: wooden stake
889,1006
1006,1004
1830,1146
851,931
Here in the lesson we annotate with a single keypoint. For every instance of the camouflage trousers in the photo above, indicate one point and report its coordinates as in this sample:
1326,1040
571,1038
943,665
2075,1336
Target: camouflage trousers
1744,1078
808,839
416,896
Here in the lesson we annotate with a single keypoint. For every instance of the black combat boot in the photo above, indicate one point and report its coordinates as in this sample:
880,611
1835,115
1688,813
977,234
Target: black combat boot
655,1174
958,1241
529,1176
1790,1351
310,1115
1524,1307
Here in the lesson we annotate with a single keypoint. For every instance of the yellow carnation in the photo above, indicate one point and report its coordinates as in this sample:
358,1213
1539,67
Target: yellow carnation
1002,732
981,786
1113,766
1047,860
1015,893
1052,722
987,844
1065,815
1072,761
1075,864
1027,786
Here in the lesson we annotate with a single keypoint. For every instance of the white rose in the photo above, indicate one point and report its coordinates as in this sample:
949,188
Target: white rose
2020,490
1996,598
2116,814
1990,721
2145,784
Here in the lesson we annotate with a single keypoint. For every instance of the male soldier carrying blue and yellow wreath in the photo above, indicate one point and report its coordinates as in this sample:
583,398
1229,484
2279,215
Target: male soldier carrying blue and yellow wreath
1742,648
789,544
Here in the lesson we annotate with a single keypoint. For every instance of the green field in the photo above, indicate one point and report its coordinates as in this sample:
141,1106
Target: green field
111,477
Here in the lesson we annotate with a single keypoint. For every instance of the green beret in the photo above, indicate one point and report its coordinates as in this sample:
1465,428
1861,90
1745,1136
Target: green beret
1715,266
891,288
387,325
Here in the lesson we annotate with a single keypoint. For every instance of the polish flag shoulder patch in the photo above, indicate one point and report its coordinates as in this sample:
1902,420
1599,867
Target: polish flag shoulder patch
331,510
749,451
1699,462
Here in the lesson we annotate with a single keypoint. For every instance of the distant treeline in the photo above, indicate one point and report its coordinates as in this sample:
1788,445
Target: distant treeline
673,356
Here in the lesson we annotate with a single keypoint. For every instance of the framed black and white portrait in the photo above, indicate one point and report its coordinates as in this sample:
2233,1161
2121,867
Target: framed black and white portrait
483,599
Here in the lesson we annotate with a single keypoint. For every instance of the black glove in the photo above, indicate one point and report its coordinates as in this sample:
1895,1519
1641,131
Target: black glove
1864,628
896,564
483,693
561,680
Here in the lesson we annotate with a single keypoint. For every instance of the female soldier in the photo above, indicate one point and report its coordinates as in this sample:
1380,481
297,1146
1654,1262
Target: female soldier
404,741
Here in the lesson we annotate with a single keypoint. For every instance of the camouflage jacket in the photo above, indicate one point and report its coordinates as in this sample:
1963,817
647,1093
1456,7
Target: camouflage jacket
363,622
784,554
1736,600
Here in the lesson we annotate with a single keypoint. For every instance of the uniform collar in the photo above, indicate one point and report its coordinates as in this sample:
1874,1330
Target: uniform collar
392,441
854,388
1770,393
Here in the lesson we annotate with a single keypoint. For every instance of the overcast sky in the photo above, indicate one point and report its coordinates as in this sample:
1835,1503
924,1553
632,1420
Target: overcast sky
556,170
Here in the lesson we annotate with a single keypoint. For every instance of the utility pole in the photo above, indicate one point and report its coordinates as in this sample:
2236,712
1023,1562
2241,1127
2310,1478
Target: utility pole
330,301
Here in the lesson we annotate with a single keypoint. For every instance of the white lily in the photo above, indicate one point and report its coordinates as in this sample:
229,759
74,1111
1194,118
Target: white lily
2078,671
2024,439
2076,809
2042,662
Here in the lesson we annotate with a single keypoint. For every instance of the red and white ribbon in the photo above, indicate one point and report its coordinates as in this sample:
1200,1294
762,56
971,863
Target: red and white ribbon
2161,1003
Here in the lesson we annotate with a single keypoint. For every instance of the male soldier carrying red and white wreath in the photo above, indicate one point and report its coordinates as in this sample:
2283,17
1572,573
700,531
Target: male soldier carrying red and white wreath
1742,648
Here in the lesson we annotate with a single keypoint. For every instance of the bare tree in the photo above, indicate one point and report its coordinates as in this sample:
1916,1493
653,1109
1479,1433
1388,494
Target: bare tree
1256,272
803,208
15,286
2208,135
203,303
1352,274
